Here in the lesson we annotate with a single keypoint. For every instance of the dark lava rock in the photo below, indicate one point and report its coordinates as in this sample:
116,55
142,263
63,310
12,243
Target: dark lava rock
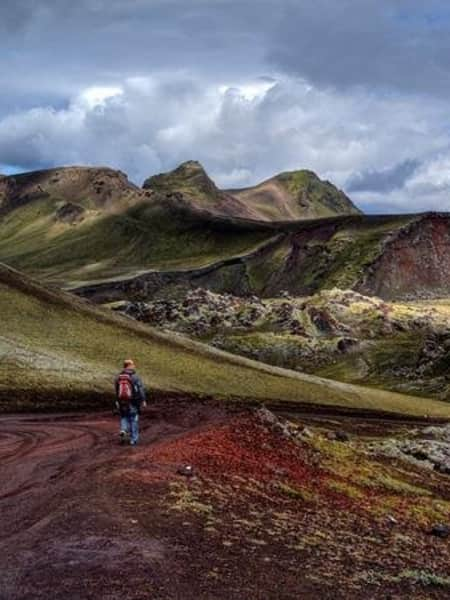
342,436
185,470
420,455
440,530
346,344
442,467
70,213
338,436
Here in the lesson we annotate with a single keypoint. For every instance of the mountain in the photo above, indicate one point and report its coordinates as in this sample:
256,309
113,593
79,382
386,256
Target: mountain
93,231
82,190
394,257
58,351
190,183
295,195
289,196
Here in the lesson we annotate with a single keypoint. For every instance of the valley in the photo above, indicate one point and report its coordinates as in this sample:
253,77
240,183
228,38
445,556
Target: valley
296,353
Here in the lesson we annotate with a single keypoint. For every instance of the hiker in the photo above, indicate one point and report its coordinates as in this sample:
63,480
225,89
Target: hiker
130,397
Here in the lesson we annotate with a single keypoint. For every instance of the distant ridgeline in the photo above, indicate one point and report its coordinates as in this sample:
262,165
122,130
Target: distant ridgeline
91,230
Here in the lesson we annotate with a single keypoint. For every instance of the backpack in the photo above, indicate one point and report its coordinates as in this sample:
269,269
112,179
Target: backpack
125,390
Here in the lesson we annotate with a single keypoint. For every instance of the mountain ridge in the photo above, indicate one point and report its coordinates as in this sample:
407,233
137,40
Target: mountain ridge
290,195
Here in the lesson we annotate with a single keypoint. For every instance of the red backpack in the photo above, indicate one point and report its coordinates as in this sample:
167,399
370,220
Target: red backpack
125,390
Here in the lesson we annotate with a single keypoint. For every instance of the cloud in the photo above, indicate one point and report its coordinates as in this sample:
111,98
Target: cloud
387,180
355,90
387,45
149,125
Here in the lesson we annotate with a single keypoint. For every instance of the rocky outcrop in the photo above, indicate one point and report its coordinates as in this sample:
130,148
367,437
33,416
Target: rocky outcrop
428,448
414,261
340,334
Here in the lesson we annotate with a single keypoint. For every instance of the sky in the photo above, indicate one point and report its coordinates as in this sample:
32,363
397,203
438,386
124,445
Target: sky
355,90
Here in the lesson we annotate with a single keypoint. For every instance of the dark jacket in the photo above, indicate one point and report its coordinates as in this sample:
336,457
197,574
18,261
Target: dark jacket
139,393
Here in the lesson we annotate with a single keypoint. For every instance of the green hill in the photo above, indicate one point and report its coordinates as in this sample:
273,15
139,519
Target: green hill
78,227
58,351
289,196
295,195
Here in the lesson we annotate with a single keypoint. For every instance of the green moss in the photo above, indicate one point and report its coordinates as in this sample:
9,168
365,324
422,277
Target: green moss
347,489
425,578
297,493
146,236
320,196
392,484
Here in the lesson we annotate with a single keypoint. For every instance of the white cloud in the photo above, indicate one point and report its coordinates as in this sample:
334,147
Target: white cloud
242,133
97,96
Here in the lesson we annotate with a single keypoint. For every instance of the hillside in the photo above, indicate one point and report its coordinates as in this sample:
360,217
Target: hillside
289,196
154,233
91,230
394,257
58,351
85,190
295,195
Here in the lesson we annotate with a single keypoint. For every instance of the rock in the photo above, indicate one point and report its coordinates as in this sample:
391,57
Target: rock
341,436
440,530
346,344
442,467
185,470
305,433
420,455
266,416
392,520
70,213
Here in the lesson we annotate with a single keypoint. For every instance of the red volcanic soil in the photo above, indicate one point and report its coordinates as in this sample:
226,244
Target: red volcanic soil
262,518
414,262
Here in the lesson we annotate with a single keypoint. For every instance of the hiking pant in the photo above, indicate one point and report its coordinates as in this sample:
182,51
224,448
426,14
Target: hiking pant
129,422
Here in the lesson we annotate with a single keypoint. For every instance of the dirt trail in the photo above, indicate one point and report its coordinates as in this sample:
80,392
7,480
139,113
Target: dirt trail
73,527
63,527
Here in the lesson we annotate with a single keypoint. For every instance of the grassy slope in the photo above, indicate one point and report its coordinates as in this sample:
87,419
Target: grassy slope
145,236
159,234
54,346
156,235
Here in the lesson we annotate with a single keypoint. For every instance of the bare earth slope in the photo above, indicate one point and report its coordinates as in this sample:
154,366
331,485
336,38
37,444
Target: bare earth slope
94,188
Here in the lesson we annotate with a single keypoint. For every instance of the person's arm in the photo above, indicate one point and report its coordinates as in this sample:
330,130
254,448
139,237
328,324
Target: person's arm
116,402
141,392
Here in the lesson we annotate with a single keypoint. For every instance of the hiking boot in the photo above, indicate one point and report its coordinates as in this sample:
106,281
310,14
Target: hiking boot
123,436
133,442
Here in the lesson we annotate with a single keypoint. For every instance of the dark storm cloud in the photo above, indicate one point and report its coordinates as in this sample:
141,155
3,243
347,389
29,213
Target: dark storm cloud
387,180
390,44
59,45
382,44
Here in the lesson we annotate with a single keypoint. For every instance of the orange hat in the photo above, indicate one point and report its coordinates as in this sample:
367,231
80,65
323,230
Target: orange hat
128,364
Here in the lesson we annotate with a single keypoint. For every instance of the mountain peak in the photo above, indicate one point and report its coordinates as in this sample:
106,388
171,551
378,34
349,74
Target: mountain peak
91,187
189,179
